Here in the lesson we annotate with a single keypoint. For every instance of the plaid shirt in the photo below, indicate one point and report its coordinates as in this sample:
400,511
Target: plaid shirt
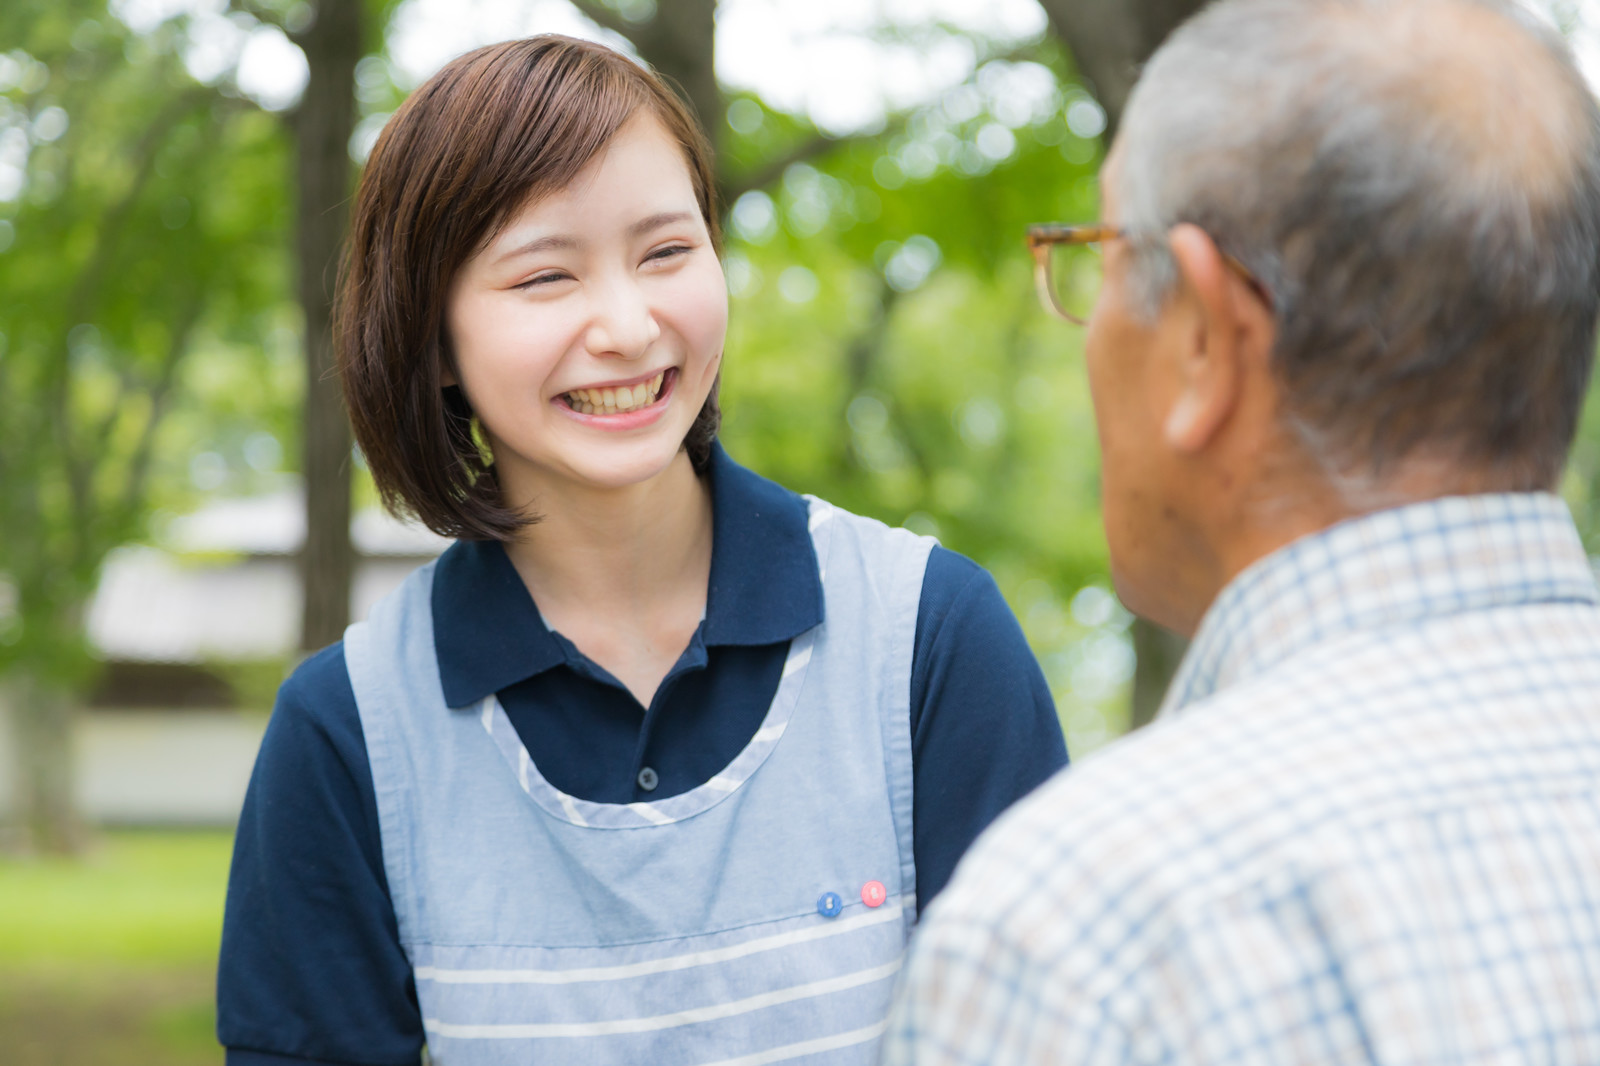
1366,828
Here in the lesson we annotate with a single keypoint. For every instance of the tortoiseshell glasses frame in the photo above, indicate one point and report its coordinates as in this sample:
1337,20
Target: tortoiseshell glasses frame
1045,236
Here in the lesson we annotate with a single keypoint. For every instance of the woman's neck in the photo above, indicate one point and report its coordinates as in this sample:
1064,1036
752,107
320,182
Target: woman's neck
639,551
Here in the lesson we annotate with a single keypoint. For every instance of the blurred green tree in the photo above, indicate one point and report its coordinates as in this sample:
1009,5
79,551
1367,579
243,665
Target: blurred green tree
139,222
334,35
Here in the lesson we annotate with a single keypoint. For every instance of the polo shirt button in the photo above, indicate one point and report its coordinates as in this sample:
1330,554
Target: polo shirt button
829,904
873,893
649,779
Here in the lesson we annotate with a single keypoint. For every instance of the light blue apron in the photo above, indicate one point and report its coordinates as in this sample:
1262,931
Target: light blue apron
729,924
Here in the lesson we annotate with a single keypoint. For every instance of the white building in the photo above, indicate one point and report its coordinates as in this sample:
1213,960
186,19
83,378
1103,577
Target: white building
170,734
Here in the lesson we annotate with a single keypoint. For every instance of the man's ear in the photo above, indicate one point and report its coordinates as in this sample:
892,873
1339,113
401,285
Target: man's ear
1212,351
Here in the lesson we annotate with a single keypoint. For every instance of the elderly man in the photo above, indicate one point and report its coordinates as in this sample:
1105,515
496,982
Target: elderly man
1351,261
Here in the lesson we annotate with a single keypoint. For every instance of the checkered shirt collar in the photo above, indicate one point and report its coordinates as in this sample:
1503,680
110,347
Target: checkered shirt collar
1387,569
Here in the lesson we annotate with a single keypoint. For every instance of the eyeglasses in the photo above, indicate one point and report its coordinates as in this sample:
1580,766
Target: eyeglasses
1067,268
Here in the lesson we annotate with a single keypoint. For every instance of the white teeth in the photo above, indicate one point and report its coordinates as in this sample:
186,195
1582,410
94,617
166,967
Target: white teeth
612,400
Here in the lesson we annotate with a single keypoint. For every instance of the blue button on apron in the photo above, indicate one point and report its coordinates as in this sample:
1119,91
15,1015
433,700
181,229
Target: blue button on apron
829,905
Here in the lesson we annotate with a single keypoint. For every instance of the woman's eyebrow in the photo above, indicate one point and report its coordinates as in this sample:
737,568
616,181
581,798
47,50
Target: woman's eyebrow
564,242
655,221
539,244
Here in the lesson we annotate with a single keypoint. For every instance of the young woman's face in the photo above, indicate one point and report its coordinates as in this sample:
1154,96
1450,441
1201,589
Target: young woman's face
589,331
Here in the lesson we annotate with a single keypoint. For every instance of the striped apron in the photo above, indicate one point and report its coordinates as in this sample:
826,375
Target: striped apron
758,918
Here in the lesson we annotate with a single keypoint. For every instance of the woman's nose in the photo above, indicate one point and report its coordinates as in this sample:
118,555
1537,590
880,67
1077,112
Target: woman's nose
623,323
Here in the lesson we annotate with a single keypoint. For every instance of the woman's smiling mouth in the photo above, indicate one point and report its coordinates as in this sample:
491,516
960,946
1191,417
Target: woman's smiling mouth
620,399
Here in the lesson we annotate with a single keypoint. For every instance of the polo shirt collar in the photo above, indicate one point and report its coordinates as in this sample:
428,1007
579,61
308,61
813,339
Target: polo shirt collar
764,589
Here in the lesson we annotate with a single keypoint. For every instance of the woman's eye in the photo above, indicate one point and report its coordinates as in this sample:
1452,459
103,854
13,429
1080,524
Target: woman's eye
669,252
540,279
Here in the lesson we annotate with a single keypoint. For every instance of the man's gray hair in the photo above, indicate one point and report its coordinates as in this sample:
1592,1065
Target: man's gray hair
1424,212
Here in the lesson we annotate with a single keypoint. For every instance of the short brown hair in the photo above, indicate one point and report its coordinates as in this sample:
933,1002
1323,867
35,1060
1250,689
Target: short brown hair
483,136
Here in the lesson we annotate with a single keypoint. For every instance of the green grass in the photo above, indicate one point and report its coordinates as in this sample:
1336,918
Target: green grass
136,897
108,960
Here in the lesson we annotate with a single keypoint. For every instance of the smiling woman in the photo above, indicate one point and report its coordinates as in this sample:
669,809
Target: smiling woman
501,211
801,717
587,333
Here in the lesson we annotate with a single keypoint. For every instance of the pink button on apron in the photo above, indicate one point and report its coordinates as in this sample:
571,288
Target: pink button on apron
873,893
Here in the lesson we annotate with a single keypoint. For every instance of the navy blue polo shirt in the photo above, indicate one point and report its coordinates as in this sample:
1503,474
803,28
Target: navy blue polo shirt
312,970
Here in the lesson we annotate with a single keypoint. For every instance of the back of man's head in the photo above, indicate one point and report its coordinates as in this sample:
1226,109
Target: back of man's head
1417,185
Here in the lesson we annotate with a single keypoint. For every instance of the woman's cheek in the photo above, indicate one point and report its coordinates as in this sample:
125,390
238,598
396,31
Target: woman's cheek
704,307
532,339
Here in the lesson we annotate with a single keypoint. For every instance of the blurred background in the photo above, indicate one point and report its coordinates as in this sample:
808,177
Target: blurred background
182,515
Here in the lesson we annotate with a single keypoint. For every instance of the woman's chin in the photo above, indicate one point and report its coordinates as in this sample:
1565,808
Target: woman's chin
617,469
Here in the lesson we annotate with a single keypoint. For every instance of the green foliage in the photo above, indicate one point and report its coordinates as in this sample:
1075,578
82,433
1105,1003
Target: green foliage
148,226
887,351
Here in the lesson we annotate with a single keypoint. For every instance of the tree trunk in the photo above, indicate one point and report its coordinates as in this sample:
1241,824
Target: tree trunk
322,126
1111,39
680,43
42,717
